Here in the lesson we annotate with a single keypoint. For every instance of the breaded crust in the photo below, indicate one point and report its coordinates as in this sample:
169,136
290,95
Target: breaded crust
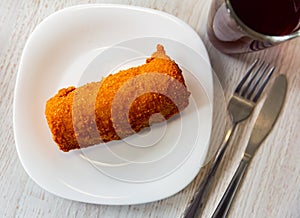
119,105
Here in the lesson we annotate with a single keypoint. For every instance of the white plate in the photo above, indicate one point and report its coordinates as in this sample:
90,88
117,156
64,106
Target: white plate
57,53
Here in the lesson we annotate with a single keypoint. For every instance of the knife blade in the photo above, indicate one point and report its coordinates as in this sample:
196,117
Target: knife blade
263,125
267,115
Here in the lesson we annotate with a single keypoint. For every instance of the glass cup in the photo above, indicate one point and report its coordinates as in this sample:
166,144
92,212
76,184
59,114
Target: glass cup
239,26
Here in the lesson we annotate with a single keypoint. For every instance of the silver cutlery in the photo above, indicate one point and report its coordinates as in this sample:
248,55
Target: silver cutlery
240,107
262,127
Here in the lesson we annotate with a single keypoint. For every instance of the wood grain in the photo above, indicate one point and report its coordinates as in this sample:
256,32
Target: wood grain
271,187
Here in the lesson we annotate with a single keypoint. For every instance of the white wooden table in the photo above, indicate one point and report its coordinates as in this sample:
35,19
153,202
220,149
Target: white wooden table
272,185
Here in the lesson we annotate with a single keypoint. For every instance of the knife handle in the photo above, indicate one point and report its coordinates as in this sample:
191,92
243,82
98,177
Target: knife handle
225,203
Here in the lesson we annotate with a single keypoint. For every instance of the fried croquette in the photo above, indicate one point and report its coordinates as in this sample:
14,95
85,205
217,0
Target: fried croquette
119,105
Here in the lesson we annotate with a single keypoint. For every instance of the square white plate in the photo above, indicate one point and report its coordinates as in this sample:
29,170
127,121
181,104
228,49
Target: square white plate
59,50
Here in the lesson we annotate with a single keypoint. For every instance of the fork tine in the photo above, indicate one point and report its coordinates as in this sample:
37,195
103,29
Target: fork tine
252,79
240,85
266,80
257,82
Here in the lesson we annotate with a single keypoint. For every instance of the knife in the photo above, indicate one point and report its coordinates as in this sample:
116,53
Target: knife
262,127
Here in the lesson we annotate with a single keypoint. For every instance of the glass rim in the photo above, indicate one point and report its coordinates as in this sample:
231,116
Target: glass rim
255,34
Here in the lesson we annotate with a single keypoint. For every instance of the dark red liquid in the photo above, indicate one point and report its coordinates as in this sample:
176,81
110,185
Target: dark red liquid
269,17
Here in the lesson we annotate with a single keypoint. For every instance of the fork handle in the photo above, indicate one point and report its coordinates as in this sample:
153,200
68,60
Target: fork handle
227,199
195,207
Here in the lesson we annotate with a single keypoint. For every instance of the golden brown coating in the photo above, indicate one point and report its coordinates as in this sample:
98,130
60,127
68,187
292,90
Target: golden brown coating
119,105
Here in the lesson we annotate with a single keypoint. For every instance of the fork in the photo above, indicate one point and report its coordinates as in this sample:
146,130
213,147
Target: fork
240,107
